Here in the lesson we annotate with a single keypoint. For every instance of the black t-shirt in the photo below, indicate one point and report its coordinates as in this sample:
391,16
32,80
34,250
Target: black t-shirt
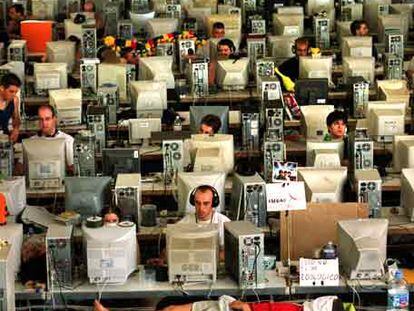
290,68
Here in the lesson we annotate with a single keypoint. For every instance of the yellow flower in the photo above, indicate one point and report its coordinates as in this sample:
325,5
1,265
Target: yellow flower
128,43
109,41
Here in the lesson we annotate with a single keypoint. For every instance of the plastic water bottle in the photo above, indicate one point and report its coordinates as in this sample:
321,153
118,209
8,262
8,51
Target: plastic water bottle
177,125
398,294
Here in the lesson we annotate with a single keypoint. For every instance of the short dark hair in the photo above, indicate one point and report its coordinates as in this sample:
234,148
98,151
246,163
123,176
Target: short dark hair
10,79
355,25
18,7
227,42
75,39
47,106
302,40
125,51
213,121
336,115
218,25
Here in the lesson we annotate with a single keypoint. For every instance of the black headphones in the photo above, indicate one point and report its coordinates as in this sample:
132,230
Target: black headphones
216,197
296,42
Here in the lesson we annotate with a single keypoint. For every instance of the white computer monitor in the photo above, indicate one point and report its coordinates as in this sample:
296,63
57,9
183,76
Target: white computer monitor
232,25
232,74
14,189
188,181
403,8
68,104
61,52
50,76
317,6
373,9
192,245
140,129
114,74
223,142
44,9
352,11
18,68
161,26
362,247
385,119
111,252
314,120
44,162
359,66
281,46
324,154
140,20
288,24
391,24
323,185
357,46
394,91
199,14
403,152
320,67
149,98
157,68
343,29
407,192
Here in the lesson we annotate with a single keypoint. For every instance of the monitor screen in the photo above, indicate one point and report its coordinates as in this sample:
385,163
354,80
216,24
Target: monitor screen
197,113
320,67
149,98
157,68
312,91
120,161
323,185
86,195
232,74
61,52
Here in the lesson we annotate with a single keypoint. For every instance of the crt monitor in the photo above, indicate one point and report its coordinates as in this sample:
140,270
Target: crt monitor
44,162
357,46
68,104
140,20
61,52
149,98
392,24
362,247
161,26
86,195
320,67
359,66
232,25
317,6
120,161
192,245
157,68
288,24
114,74
232,74
111,252
311,91
314,120
343,29
197,113
394,90
323,185
50,76
385,119
403,152
281,46
407,192
142,128
188,181
324,154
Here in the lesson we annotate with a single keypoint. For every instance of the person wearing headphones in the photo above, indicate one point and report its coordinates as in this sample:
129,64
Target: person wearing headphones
210,124
290,67
48,128
336,122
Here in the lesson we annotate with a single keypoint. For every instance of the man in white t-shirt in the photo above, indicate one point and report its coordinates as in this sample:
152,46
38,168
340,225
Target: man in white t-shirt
48,128
205,199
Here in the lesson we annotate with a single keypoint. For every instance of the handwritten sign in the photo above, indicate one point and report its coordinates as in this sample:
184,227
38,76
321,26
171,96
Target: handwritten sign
318,272
285,196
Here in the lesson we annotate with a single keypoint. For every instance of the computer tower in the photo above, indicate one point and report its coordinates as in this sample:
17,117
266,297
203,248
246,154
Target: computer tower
394,44
250,130
89,76
257,26
139,6
269,88
274,123
172,153
393,67
17,51
96,119
272,151
244,245
265,67
166,49
199,77
183,46
125,29
6,156
173,11
361,150
248,199
368,189
108,96
360,96
84,154
111,12
7,279
128,197
59,256
256,48
88,41
321,26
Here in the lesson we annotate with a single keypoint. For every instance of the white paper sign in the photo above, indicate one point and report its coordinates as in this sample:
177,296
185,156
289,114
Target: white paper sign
319,272
286,196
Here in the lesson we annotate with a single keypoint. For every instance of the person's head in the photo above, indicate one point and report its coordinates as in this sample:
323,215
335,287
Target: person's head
16,11
89,6
210,124
47,120
302,46
225,48
336,123
359,28
9,86
204,202
129,56
218,30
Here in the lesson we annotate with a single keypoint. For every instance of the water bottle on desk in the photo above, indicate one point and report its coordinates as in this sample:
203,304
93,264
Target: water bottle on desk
398,294
177,125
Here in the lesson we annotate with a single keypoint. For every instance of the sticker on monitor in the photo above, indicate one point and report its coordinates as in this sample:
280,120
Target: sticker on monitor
285,171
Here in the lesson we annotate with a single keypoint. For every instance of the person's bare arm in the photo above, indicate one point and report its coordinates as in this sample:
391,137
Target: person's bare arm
97,306
240,306
14,135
